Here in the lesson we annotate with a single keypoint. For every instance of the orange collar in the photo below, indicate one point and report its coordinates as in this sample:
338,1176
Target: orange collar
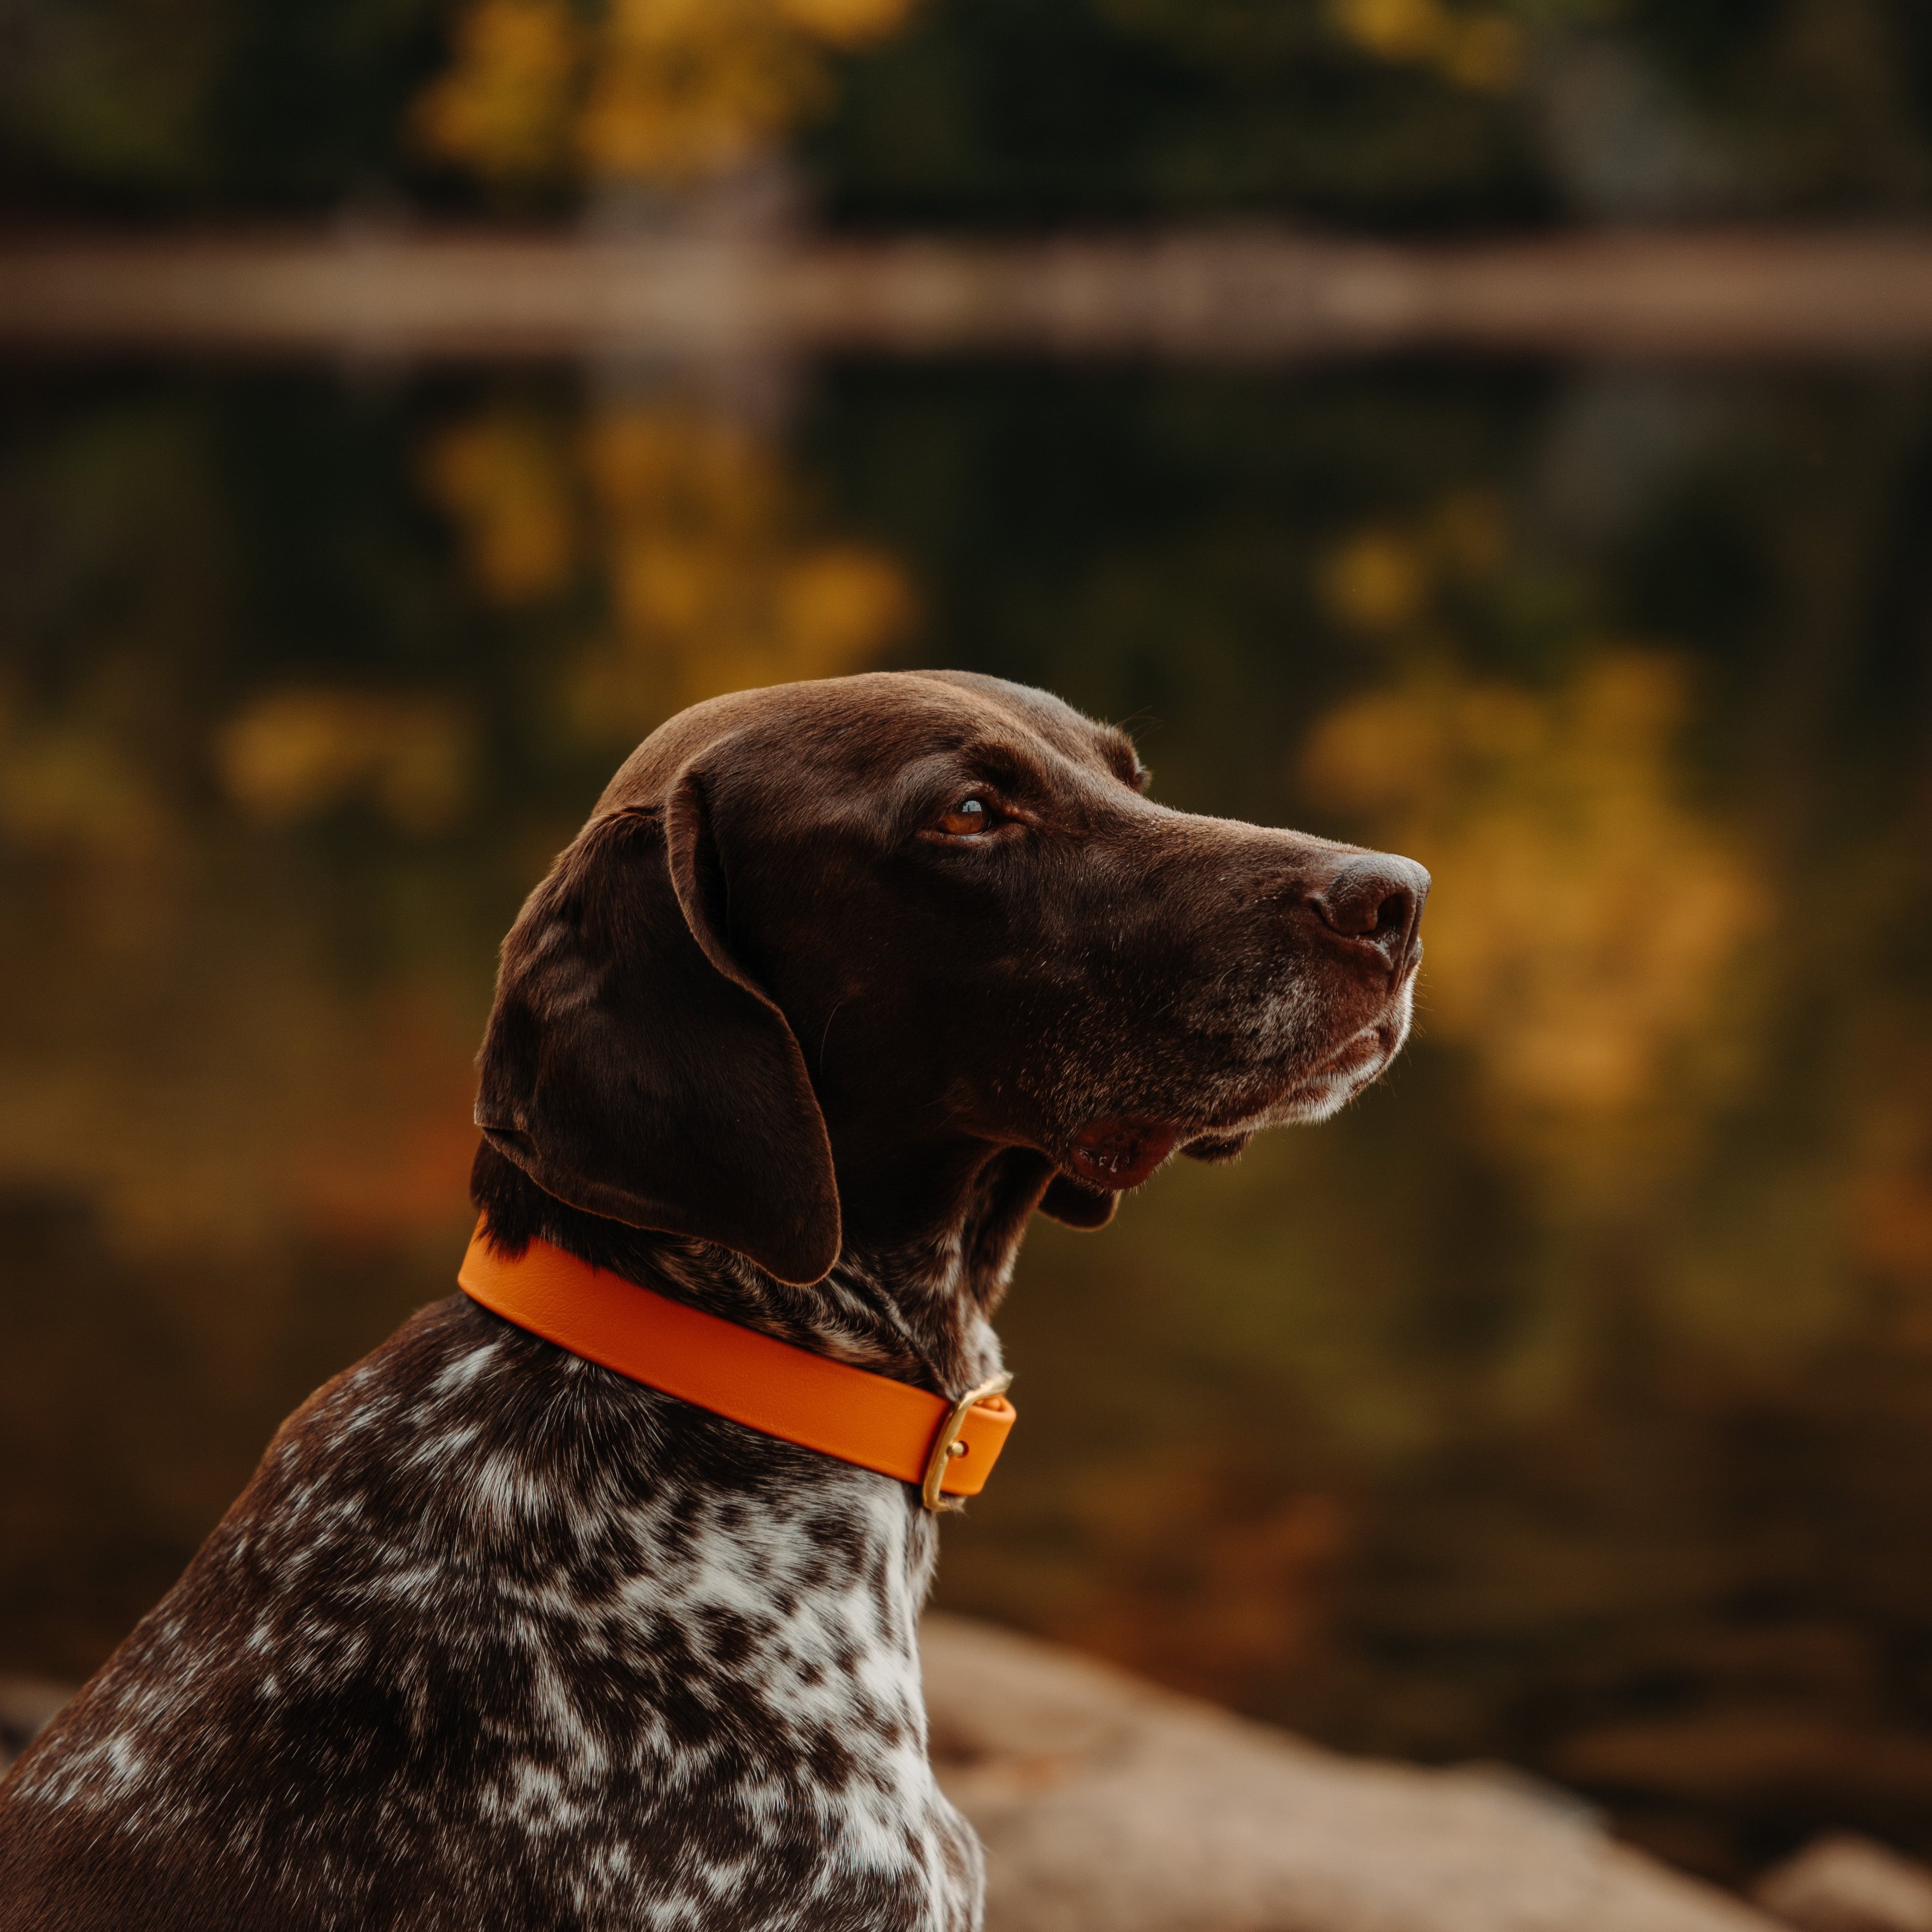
947,1448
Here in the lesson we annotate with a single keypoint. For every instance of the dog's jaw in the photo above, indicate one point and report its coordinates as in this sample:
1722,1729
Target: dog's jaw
1318,1091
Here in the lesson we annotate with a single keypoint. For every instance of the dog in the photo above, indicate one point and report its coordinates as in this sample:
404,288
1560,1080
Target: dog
841,982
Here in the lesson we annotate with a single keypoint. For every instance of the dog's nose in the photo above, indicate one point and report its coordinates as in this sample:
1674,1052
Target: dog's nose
1376,901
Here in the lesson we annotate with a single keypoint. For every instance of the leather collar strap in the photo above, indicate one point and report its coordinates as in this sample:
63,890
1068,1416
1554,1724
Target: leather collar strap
947,1448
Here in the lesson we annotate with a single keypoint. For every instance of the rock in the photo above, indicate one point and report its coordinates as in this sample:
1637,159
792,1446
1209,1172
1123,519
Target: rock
26,1703
1843,1883
1109,1806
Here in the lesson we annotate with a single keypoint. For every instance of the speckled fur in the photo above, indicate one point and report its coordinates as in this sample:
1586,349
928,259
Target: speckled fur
496,1638
496,1641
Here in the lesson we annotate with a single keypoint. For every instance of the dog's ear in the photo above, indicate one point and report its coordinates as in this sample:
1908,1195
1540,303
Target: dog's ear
633,1069
1080,1206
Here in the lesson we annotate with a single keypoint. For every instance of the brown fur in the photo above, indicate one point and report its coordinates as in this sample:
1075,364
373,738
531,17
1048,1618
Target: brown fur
495,1637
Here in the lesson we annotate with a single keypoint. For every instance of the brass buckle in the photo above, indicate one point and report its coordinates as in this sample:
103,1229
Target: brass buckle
946,1445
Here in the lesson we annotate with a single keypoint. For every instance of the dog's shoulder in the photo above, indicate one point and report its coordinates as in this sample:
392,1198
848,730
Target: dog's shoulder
478,1587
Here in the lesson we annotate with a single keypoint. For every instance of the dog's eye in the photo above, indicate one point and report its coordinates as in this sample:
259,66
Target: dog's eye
968,818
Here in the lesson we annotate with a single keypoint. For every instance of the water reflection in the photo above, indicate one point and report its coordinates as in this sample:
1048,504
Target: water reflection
1568,1401
1587,939
711,576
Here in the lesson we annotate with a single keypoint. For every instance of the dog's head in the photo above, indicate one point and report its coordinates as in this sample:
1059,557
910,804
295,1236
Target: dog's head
824,951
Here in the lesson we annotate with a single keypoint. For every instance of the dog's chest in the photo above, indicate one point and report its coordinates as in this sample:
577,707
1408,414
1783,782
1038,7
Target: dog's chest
494,1637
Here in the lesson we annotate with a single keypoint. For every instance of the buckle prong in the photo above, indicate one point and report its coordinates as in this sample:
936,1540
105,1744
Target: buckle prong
946,1444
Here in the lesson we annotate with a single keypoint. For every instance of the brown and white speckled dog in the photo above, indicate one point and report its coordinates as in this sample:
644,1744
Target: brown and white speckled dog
841,982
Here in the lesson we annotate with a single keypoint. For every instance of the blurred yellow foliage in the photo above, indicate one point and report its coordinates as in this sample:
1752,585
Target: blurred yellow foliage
506,482
1585,920
715,579
845,23
505,107
298,752
713,588
71,787
682,88
1483,51
662,91
1376,580
1382,577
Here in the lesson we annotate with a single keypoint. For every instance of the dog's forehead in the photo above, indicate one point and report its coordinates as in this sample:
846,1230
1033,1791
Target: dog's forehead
872,722
875,724
989,701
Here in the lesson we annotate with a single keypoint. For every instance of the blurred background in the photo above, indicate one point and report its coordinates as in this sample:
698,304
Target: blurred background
1568,1402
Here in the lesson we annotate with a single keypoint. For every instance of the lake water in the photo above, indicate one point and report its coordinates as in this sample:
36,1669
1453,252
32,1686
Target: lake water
1568,1402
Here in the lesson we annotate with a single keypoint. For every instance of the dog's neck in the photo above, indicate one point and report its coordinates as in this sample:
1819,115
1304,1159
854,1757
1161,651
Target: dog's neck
914,1304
